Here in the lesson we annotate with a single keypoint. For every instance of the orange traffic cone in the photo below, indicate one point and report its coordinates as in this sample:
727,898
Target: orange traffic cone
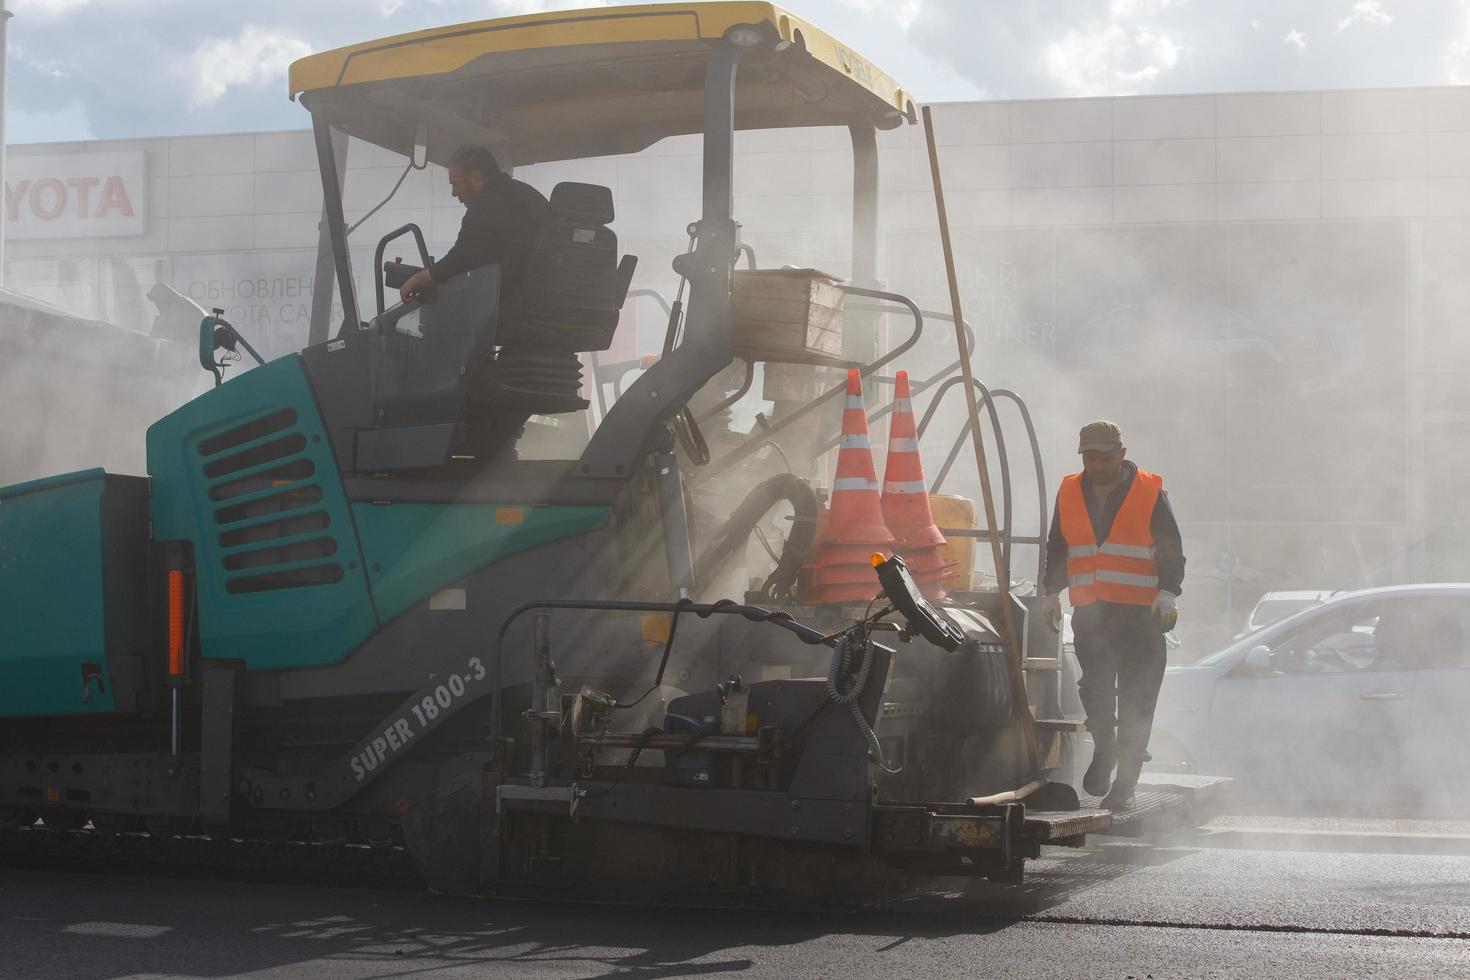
906,497
841,570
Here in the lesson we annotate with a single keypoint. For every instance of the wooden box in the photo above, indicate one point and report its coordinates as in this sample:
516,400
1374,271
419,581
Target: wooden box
791,316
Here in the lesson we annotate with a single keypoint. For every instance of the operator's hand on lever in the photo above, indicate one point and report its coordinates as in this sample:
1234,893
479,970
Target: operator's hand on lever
420,284
1166,610
1051,611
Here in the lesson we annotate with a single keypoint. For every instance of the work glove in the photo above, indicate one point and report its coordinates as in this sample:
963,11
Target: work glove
1165,610
1051,612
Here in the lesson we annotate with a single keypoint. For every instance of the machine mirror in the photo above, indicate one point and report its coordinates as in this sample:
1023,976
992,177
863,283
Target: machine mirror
1258,661
420,157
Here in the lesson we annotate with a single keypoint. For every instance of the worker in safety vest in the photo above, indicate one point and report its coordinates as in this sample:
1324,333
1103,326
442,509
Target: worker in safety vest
1114,544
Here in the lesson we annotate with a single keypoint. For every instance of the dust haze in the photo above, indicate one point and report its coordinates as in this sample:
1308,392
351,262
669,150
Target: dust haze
1300,384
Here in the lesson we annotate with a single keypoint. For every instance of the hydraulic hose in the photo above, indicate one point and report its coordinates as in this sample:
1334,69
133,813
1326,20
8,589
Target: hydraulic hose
840,664
735,531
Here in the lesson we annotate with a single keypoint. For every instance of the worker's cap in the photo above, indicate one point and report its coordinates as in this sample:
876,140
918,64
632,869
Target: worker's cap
1099,436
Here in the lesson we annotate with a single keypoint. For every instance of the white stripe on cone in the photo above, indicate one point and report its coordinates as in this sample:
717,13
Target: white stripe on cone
903,444
853,442
854,483
915,486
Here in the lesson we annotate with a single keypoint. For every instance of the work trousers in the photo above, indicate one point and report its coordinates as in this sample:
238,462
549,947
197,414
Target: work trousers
1121,653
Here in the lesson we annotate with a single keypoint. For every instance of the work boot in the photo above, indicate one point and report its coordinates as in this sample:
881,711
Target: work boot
1099,777
1120,797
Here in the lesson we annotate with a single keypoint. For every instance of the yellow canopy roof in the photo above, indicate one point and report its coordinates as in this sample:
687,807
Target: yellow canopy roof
582,83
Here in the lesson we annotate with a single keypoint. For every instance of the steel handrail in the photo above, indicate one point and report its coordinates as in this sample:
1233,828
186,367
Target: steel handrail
916,387
621,368
418,237
1000,447
757,440
738,394
1008,535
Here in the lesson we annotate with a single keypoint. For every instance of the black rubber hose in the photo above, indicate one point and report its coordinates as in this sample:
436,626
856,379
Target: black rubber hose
755,506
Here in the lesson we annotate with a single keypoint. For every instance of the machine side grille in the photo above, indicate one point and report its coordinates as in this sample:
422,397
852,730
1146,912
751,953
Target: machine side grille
255,429
273,529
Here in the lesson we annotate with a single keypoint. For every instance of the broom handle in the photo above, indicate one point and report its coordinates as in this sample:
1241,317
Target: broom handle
1008,622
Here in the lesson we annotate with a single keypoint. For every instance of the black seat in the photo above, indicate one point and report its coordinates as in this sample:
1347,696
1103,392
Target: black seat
573,290
574,285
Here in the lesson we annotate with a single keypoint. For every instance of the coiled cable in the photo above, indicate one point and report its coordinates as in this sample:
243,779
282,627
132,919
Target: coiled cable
842,661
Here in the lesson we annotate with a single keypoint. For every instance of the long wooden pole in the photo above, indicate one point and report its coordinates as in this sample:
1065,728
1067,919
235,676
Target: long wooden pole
1022,706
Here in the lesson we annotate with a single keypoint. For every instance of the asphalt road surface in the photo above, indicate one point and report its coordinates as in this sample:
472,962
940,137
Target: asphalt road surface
1246,898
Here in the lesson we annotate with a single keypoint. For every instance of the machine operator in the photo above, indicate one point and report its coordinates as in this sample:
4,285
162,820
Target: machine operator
502,218
1115,545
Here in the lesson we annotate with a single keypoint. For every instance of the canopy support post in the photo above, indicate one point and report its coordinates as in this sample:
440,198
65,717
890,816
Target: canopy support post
704,348
320,329
332,210
860,342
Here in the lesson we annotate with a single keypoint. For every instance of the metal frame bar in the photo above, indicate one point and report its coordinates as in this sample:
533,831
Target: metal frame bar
418,237
1006,530
666,387
918,387
759,439
320,328
332,208
620,368
861,342
739,393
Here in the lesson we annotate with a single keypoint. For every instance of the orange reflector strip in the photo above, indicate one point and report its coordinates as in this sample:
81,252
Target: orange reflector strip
175,623
510,515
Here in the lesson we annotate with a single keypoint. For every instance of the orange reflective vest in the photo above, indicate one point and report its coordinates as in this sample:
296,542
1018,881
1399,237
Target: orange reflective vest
1123,569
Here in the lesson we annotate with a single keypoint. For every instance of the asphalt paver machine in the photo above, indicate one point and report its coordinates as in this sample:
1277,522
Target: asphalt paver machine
342,607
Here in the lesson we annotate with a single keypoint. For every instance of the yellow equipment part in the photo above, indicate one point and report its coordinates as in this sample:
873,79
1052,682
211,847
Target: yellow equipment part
951,510
581,83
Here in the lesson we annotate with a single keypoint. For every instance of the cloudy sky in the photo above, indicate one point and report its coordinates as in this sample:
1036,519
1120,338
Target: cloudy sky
84,69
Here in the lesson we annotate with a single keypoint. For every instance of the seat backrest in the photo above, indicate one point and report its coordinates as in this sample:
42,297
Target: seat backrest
572,290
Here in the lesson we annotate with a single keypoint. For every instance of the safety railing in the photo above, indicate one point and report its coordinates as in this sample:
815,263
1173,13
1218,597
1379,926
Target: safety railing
759,439
1006,530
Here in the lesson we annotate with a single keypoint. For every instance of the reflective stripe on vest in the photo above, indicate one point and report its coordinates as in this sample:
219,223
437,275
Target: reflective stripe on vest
1124,568
1128,578
1126,550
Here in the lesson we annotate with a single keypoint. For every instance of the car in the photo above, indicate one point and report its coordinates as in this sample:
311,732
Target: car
1363,698
1276,606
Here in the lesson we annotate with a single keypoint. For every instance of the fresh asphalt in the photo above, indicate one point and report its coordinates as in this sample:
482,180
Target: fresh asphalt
1246,897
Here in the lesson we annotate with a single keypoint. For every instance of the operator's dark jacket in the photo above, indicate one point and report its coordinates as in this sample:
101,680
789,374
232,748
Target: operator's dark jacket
500,225
1168,549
